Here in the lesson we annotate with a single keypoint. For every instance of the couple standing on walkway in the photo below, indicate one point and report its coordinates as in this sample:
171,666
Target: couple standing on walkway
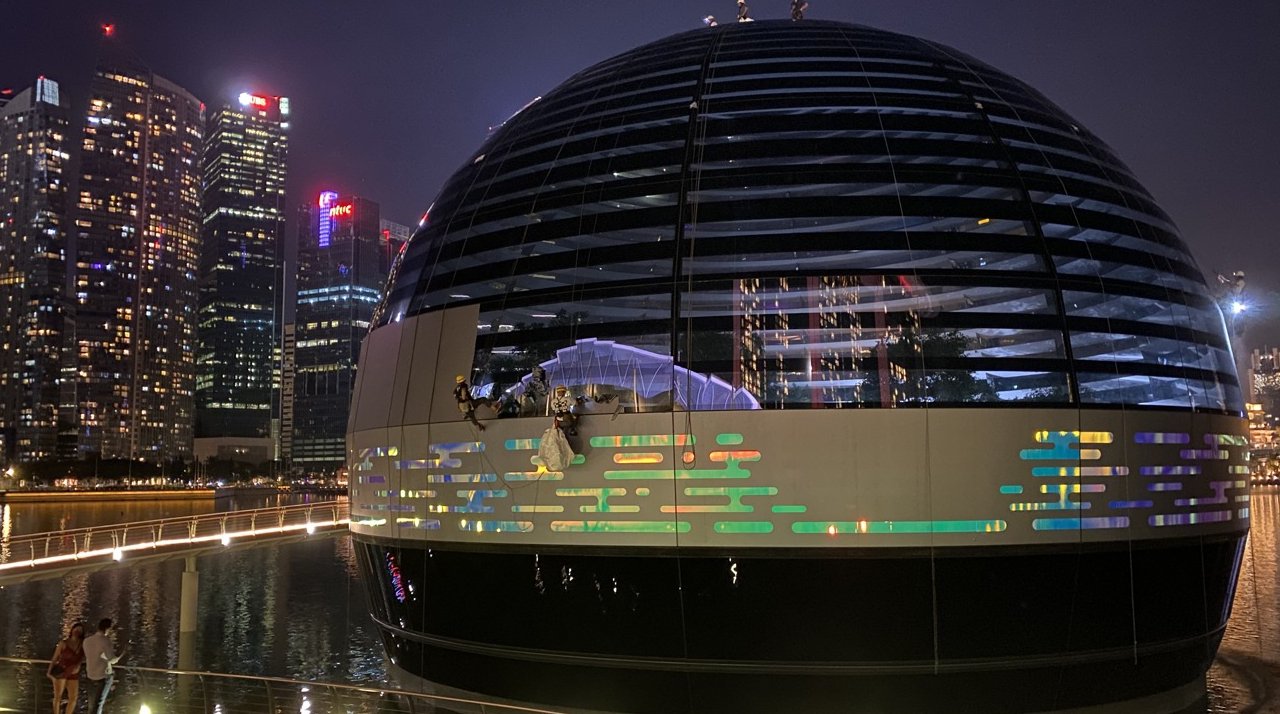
98,655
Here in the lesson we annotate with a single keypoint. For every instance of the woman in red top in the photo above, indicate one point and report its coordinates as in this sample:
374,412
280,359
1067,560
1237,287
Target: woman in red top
64,668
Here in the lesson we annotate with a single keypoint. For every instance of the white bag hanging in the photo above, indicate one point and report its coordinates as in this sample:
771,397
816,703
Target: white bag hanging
554,451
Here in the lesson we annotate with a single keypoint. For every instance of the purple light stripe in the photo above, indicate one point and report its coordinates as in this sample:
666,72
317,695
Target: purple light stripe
1131,504
1220,496
1204,454
1169,470
1164,486
1189,519
1161,437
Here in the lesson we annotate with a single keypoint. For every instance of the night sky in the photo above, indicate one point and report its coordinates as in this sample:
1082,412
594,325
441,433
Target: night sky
389,98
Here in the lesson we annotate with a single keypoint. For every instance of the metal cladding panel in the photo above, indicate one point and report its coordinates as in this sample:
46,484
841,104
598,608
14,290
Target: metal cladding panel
421,372
454,353
376,376
403,372
356,391
810,479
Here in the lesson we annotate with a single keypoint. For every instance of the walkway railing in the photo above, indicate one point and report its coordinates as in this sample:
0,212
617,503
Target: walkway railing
58,549
180,692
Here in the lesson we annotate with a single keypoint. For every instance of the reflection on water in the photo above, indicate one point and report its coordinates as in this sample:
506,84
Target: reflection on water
1246,675
291,610
297,610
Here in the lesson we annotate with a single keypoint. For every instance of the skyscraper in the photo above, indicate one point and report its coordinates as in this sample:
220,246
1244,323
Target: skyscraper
33,265
240,279
137,225
343,261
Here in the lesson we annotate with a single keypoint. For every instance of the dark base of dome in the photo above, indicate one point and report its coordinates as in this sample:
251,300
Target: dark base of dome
1189,698
641,630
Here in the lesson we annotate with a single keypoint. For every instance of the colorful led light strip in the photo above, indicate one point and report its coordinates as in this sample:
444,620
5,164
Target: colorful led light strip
642,440
1189,519
461,478
602,499
1071,524
1169,470
620,526
1161,437
896,527
495,526
1050,471
637,458
1131,504
735,496
1204,454
743,527
1063,441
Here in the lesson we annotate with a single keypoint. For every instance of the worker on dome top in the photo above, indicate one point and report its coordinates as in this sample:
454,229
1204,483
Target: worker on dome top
797,9
744,13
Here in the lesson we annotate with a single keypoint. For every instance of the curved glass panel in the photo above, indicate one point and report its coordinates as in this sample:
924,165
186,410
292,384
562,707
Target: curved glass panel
823,217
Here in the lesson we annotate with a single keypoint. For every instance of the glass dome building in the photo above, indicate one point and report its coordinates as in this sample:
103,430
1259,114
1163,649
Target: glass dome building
894,388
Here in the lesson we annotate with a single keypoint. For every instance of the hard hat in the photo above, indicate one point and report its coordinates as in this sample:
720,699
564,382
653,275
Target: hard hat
459,379
561,388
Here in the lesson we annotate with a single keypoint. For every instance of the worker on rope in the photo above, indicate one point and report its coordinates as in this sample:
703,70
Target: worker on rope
466,403
744,13
562,407
797,9
535,392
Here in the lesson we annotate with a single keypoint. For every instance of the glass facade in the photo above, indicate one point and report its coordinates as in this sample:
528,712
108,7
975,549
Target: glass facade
242,240
343,258
34,148
815,216
138,215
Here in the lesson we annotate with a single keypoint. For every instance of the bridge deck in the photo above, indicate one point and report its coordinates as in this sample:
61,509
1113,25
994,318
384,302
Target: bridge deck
50,555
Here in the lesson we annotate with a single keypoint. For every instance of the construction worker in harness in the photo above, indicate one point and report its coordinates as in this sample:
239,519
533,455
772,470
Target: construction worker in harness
466,403
562,407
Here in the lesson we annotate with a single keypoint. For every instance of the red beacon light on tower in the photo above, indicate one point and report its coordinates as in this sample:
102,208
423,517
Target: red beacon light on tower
108,29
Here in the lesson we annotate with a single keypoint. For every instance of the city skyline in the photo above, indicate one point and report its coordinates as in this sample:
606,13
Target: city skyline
411,89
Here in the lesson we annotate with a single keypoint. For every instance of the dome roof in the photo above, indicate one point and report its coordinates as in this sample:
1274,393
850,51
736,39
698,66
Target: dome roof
822,215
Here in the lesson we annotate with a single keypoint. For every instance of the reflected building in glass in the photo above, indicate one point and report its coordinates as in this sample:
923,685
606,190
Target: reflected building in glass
893,385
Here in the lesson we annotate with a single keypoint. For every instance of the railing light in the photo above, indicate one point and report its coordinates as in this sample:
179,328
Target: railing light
117,554
144,709
226,539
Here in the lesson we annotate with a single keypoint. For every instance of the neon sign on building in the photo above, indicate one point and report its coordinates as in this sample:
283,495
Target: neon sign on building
326,220
254,100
